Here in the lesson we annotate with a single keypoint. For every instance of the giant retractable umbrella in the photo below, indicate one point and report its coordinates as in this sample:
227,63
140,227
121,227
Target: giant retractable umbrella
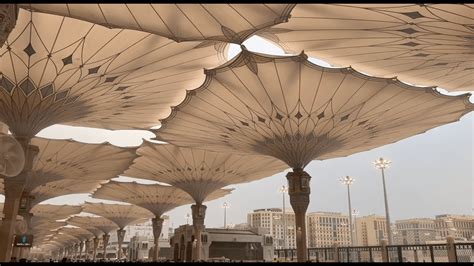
296,111
60,70
55,212
199,173
158,199
120,214
82,234
63,187
179,22
103,224
424,44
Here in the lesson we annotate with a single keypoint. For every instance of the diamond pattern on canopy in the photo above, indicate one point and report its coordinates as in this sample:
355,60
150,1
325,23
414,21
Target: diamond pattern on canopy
86,222
68,159
180,22
58,69
296,111
291,109
55,212
199,172
63,187
120,214
156,198
423,44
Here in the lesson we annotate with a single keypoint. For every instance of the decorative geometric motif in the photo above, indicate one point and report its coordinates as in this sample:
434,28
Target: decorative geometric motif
386,40
61,70
179,22
199,172
327,112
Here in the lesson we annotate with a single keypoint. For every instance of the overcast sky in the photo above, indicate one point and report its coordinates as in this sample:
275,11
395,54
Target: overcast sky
430,174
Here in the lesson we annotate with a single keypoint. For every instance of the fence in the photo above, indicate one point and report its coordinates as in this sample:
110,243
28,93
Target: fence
449,252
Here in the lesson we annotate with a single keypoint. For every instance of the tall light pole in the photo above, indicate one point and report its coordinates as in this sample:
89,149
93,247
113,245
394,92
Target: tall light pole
355,213
381,164
283,189
347,180
225,206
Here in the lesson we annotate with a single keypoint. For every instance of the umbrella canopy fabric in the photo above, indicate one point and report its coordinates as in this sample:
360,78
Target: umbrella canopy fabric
199,172
120,214
60,70
86,222
296,111
55,212
179,22
158,199
423,44
63,187
69,159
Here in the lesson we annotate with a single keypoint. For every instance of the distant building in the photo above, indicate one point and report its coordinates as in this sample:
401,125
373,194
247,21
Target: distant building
234,244
326,228
370,230
414,231
273,222
458,226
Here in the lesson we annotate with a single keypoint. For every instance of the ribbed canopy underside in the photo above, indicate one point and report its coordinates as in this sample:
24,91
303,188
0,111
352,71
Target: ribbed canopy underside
158,199
68,159
60,70
423,44
55,212
296,111
95,225
120,214
180,22
200,172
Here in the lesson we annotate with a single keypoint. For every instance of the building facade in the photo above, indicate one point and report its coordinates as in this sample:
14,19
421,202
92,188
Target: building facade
324,229
414,231
370,230
457,226
273,221
233,244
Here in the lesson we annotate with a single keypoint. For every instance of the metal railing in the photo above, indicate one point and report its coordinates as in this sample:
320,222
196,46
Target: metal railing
460,252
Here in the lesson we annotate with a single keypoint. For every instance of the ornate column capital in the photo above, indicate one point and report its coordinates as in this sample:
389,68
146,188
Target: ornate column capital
120,235
299,189
8,16
199,213
157,224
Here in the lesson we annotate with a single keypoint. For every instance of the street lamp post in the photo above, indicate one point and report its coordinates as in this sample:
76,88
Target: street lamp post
284,190
187,217
347,180
225,206
355,213
381,164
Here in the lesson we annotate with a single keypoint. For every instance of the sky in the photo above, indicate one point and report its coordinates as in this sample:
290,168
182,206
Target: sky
430,174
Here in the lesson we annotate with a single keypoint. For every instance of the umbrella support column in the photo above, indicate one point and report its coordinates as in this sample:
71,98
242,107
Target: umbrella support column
105,240
81,246
199,213
96,244
13,187
157,226
120,237
87,248
299,190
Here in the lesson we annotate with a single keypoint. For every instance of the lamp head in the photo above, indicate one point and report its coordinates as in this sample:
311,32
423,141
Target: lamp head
347,180
382,163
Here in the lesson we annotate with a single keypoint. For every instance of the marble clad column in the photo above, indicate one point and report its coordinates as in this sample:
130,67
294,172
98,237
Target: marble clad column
157,226
199,213
299,190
